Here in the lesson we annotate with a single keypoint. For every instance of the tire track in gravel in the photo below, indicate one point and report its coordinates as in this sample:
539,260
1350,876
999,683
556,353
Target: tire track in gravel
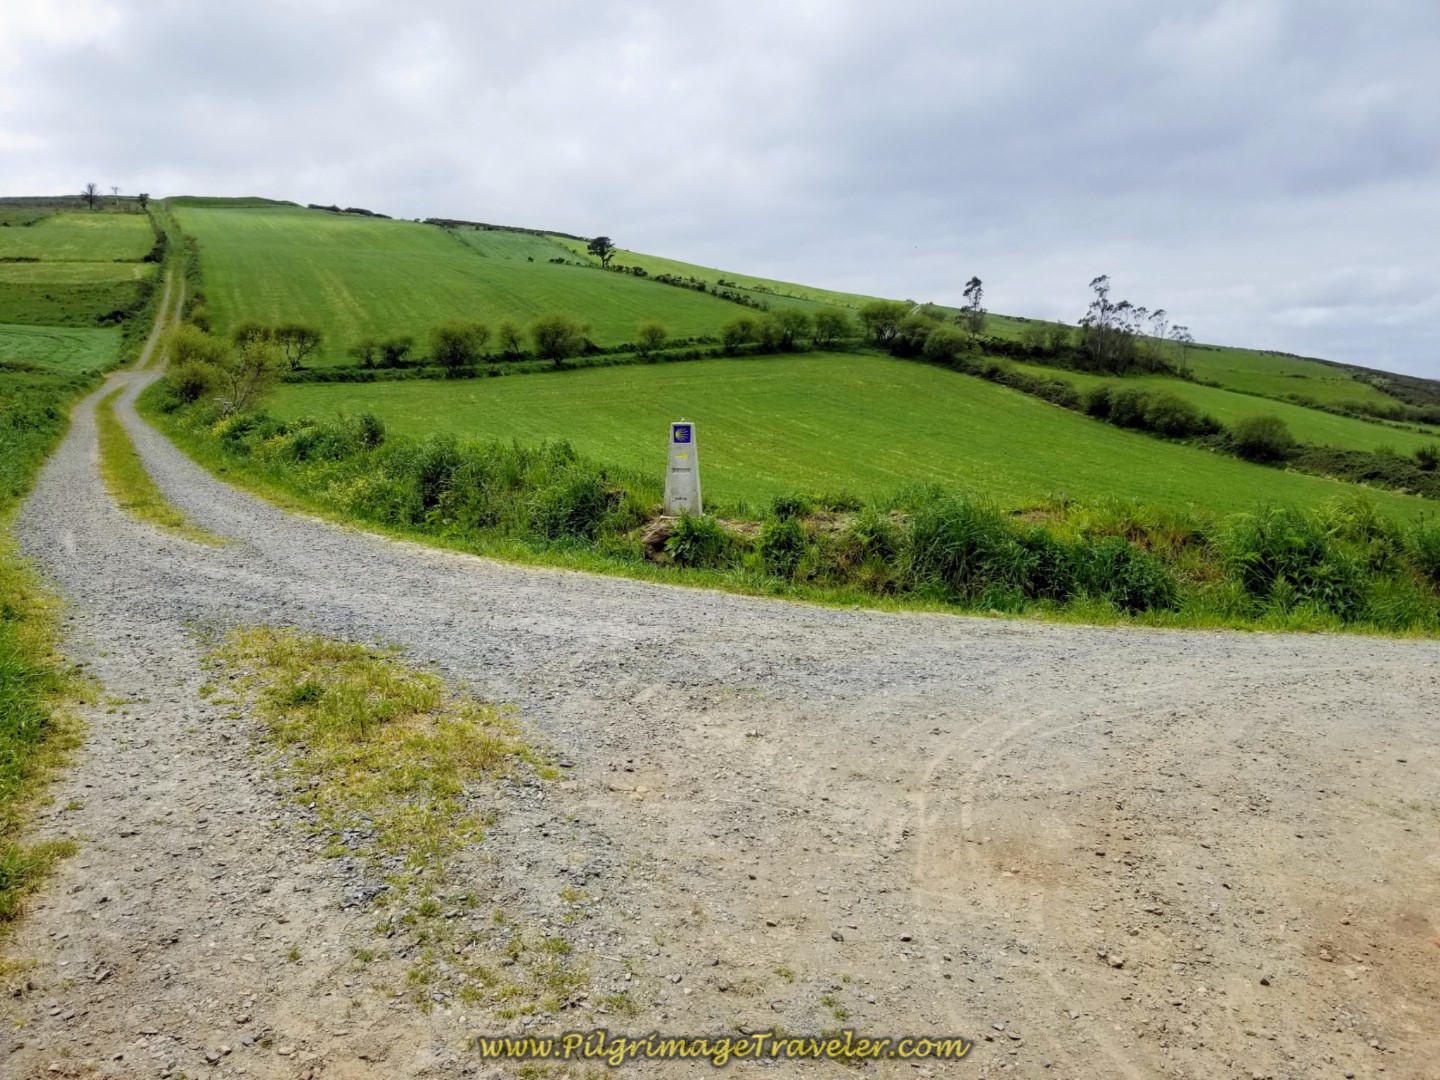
811,817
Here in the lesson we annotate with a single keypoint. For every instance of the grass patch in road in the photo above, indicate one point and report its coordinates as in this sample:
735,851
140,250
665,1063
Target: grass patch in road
376,745
131,486
393,766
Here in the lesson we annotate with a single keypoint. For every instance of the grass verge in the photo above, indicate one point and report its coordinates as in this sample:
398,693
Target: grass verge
36,685
130,485
390,766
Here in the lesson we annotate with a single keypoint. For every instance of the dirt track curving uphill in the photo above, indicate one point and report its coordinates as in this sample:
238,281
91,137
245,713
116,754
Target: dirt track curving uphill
1097,852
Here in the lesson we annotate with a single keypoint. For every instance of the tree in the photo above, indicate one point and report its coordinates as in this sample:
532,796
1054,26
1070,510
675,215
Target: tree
651,336
557,337
881,319
249,371
144,200
365,351
457,346
512,339
91,194
298,342
789,326
603,249
249,330
973,313
831,325
740,330
396,350
115,192
1183,342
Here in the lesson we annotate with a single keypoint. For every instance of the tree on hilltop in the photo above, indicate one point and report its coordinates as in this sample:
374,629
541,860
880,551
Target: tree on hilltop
91,194
973,313
602,248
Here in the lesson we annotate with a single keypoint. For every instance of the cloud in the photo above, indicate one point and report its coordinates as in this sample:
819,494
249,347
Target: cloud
1262,168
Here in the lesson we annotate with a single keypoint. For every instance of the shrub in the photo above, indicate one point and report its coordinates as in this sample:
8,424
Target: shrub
741,330
371,429
457,346
1428,457
700,542
881,319
831,325
1131,579
789,506
1127,407
781,544
396,350
944,344
1262,438
572,507
911,334
557,338
960,546
1169,414
651,336
1422,544
872,535
1285,557
365,351
192,381
1096,401
511,339
187,344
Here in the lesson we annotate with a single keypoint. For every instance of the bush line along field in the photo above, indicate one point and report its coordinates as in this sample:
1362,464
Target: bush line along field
1344,565
1229,407
828,422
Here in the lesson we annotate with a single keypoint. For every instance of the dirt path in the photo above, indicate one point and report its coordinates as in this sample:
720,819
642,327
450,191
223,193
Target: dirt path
1098,852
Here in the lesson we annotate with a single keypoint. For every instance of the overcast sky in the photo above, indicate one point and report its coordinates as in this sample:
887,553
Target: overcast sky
1267,170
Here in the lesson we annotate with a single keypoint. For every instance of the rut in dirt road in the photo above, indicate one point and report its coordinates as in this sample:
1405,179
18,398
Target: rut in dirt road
1097,852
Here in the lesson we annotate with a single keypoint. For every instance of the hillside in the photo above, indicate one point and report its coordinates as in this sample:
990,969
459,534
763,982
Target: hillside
356,277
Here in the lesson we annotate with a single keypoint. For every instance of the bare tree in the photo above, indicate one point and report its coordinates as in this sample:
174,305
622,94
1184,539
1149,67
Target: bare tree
91,194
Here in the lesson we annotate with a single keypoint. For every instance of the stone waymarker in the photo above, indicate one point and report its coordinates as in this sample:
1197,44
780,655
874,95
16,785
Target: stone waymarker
682,478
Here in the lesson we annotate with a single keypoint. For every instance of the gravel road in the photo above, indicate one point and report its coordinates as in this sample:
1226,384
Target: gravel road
1099,852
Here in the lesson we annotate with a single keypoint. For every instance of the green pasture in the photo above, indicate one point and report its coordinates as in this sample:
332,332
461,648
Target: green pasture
67,349
505,244
355,277
67,294
1274,375
80,237
861,423
1227,406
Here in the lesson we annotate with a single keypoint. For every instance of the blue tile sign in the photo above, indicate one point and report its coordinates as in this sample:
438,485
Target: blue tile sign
680,433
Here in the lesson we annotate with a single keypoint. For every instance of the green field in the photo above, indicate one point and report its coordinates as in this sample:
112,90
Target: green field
71,349
354,277
1278,376
1227,406
829,422
68,294
82,237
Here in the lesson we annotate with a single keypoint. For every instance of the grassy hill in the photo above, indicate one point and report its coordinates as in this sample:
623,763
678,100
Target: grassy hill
355,276
826,422
67,277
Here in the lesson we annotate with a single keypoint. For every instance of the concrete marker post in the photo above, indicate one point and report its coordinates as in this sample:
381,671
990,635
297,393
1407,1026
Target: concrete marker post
682,476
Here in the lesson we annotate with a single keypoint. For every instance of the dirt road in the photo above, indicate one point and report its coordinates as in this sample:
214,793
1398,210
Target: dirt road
1097,852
